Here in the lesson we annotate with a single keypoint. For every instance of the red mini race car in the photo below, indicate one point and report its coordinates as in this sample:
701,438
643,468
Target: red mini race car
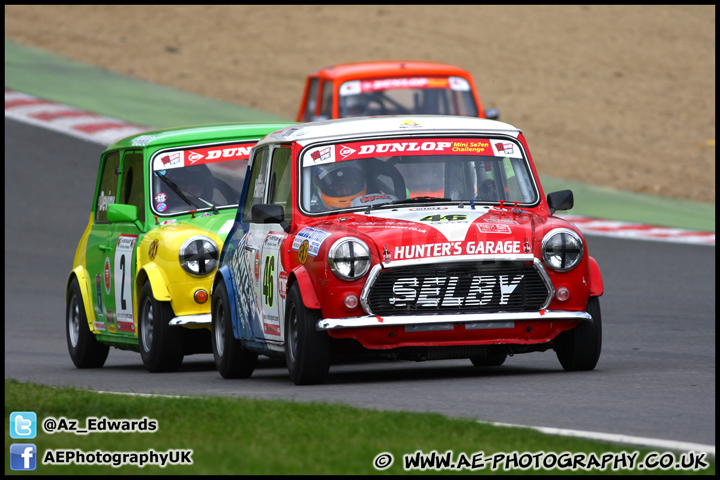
390,88
423,237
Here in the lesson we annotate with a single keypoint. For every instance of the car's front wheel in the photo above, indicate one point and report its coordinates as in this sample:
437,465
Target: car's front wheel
307,350
85,350
579,348
161,345
231,358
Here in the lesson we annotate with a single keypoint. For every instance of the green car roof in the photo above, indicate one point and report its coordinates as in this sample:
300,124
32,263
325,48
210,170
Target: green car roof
198,133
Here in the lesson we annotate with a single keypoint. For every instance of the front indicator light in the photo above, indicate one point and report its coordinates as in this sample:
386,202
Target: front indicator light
351,301
201,296
562,294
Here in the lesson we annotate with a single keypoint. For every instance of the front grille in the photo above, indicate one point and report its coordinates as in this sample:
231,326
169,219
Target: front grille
478,287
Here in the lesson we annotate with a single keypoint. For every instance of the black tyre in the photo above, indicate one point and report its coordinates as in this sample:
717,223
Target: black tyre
307,350
494,358
231,358
85,350
579,348
161,345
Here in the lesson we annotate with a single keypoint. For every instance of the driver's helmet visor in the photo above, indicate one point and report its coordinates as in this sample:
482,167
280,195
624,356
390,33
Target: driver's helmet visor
340,180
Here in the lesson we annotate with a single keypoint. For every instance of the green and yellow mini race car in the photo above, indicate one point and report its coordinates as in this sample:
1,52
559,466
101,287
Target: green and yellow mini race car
164,202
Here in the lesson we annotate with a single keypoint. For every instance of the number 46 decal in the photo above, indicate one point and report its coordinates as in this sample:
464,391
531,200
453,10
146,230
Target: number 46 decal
268,274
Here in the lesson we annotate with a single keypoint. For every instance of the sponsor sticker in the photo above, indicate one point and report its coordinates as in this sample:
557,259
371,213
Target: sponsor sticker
282,285
320,155
107,275
314,238
409,147
504,148
169,160
459,84
409,124
444,249
201,155
451,291
494,228
380,84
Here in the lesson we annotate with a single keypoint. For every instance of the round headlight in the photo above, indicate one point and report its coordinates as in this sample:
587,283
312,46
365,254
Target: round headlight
349,258
199,255
562,249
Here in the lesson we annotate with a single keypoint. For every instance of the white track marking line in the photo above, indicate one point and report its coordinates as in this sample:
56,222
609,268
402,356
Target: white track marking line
617,438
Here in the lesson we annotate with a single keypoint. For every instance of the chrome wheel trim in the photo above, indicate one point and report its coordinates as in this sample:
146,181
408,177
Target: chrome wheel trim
146,328
219,328
292,334
74,321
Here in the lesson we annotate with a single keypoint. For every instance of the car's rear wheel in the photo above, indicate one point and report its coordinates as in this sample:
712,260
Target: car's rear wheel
493,358
307,350
161,345
231,358
579,348
85,350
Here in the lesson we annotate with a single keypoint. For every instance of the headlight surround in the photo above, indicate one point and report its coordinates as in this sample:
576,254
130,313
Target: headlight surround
349,258
562,249
199,255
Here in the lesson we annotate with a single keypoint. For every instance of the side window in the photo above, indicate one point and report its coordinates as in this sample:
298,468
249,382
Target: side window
280,184
256,185
132,187
327,100
311,100
107,189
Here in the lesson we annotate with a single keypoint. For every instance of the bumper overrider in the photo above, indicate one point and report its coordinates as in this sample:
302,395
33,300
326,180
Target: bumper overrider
425,294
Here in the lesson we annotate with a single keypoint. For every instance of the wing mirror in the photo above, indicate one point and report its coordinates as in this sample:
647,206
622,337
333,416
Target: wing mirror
560,200
492,113
268,213
118,212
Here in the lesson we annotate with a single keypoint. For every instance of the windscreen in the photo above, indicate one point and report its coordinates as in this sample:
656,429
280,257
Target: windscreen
374,172
407,95
198,178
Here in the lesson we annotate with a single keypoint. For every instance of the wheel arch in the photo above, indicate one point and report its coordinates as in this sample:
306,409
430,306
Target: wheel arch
149,272
83,279
596,282
301,276
224,276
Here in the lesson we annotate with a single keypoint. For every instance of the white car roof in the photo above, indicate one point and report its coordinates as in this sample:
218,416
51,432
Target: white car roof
306,133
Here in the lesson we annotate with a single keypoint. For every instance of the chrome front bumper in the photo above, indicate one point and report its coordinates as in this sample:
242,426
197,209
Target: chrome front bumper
481,320
203,319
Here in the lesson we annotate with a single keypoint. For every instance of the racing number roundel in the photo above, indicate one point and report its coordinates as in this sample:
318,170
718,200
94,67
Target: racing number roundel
303,251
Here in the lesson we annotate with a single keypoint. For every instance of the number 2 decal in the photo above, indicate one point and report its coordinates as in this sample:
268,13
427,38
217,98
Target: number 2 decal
123,282
268,274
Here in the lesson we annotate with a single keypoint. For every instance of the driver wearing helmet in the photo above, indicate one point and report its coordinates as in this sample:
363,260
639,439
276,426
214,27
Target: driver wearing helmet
355,106
339,183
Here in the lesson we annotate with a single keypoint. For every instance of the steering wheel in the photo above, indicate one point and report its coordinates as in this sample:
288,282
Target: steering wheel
379,168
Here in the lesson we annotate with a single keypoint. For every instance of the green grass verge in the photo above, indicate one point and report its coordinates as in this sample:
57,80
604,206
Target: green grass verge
244,436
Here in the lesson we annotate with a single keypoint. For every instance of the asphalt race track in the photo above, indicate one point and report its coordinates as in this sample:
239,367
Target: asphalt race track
655,377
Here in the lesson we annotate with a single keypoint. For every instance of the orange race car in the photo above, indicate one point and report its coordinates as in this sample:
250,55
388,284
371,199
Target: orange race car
390,88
